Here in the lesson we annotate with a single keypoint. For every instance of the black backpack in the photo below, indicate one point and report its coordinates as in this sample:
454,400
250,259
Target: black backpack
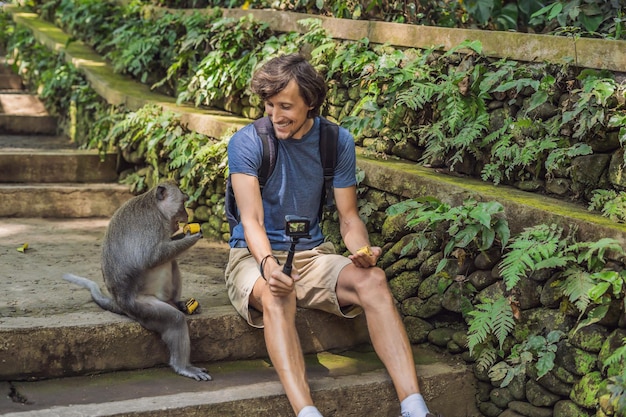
329,133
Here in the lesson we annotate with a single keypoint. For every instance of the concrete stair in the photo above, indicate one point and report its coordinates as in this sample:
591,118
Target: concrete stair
40,171
61,355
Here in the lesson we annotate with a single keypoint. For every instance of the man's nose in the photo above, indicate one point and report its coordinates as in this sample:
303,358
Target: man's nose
274,114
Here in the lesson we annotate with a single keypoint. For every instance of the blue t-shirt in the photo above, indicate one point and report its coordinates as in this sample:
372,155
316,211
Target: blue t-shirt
296,184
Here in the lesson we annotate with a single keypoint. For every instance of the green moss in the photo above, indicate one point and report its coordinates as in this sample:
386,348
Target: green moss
586,390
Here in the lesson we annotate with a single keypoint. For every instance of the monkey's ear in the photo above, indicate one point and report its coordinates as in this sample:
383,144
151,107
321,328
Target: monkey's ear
161,192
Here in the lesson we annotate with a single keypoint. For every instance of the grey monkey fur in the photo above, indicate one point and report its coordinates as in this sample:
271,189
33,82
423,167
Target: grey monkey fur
141,273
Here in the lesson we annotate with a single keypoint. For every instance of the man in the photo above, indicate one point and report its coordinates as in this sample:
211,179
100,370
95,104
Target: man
266,297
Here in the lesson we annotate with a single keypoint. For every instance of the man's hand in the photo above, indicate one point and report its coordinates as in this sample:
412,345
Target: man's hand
280,283
366,256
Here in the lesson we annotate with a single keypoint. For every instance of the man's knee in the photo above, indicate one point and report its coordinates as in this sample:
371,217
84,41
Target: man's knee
373,286
274,306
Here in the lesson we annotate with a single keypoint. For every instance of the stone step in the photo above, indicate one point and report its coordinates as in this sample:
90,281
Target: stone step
10,82
27,124
344,384
61,200
102,341
25,114
45,166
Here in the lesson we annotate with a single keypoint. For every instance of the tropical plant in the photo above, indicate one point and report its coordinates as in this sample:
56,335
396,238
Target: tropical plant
587,285
588,114
610,203
472,226
8,28
617,388
592,16
537,351
143,48
489,323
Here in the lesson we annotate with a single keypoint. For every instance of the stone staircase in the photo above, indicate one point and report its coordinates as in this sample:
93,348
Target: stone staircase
60,355
43,174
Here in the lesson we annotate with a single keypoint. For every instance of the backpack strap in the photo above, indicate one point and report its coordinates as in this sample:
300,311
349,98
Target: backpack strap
265,130
329,135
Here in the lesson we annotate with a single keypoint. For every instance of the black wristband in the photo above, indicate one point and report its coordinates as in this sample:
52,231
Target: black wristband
262,264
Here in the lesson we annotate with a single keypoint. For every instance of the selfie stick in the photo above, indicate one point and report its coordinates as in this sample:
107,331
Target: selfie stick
288,263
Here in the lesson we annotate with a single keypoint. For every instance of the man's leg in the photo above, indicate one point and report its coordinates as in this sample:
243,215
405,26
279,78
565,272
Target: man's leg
283,343
369,289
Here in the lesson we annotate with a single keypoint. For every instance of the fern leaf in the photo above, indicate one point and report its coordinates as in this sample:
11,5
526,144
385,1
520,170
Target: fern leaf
486,358
619,355
532,247
576,287
480,326
502,320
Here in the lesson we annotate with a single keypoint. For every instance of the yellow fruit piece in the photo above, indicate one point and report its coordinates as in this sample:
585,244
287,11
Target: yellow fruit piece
192,228
23,248
365,250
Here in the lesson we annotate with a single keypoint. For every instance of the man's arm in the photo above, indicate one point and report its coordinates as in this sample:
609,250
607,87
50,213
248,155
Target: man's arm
353,230
248,197
250,205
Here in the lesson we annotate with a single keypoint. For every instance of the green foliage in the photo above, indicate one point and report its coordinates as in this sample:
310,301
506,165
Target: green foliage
205,172
156,138
89,21
587,284
618,119
433,102
536,351
64,90
592,100
561,157
618,357
191,46
472,226
598,289
518,153
617,388
142,47
237,47
610,203
535,248
591,16
490,321
393,85
389,90
8,28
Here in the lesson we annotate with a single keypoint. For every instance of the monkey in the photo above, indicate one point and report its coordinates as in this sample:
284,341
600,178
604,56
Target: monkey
141,273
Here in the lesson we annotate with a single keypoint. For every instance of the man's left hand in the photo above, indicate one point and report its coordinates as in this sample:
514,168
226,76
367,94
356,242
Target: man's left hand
366,257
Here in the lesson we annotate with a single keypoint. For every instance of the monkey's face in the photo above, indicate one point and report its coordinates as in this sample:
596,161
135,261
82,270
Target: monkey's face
171,202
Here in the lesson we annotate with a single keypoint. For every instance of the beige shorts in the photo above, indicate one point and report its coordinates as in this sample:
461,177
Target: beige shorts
319,269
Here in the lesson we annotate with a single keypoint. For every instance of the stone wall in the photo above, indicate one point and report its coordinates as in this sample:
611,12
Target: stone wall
432,308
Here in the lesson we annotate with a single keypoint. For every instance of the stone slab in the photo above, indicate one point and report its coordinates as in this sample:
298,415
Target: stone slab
51,199
344,384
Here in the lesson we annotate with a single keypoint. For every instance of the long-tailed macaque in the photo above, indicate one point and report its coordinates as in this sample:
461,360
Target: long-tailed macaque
140,270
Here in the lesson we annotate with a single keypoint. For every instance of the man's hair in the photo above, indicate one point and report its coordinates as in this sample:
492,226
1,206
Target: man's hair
276,73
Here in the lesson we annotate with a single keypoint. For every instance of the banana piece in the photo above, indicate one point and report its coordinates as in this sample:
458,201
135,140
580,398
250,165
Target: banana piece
365,250
191,228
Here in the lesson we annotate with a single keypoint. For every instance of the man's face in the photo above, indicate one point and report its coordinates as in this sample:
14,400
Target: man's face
288,112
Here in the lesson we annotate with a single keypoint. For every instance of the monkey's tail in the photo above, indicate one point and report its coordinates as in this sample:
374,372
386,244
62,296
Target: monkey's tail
102,300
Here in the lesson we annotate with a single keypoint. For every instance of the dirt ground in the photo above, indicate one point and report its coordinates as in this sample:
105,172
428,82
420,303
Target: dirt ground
31,283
